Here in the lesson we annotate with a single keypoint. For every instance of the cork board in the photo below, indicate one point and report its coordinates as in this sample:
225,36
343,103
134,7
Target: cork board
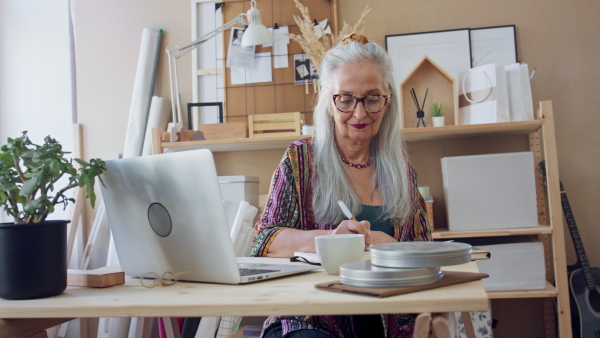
282,94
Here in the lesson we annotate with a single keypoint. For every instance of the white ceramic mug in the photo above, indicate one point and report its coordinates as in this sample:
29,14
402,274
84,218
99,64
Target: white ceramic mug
335,250
308,129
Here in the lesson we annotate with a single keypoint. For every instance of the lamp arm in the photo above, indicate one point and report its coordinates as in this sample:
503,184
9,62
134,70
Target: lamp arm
190,46
175,52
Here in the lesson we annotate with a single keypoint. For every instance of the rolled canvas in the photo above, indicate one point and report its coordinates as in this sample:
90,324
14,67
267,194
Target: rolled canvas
159,117
143,88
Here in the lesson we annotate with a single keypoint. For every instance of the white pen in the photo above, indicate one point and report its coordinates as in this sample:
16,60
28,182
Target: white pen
349,215
346,211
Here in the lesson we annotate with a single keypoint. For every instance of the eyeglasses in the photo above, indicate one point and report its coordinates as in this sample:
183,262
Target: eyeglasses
372,103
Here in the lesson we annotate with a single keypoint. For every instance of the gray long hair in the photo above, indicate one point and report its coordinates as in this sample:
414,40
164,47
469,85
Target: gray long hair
387,146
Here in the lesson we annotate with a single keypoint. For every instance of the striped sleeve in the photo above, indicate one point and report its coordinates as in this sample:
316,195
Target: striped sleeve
416,226
288,199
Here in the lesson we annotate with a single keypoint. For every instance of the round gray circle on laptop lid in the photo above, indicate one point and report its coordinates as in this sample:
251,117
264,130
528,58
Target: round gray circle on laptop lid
420,254
364,274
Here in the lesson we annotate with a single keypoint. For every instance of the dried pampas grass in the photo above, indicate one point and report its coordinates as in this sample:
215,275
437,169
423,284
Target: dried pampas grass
316,47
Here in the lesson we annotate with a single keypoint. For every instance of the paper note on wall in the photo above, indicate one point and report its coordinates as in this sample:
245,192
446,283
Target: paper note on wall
260,72
321,29
280,47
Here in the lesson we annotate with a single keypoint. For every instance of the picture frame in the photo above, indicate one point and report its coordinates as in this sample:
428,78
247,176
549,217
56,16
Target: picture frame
205,116
449,49
304,70
497,44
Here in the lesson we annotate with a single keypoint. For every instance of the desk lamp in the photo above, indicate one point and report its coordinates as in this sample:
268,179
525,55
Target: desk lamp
255,34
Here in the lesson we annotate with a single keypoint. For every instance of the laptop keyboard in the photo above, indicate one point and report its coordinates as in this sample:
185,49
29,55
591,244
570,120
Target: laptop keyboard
250,272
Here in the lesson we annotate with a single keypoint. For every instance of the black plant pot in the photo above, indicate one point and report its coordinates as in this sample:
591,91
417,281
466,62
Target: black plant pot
33,259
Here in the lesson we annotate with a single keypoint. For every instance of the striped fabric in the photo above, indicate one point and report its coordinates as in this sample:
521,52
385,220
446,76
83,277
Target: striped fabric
289,205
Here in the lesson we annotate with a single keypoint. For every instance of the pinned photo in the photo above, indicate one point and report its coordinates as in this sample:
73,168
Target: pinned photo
305,71
238,56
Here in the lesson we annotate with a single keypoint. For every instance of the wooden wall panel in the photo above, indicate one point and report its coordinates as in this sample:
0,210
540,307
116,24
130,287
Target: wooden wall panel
282,94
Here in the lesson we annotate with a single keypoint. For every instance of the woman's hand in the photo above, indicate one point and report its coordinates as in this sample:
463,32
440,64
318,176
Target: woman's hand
355,227
380,237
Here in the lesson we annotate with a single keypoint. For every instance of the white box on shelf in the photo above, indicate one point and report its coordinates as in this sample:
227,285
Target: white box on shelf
240,188
514,266
492,191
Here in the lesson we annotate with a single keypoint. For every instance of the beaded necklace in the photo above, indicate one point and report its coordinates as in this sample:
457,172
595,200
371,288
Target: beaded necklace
357,166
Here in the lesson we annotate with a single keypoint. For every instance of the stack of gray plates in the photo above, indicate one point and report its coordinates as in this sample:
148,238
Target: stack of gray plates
404,264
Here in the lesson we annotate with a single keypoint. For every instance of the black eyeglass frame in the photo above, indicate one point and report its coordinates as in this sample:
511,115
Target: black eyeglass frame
360,99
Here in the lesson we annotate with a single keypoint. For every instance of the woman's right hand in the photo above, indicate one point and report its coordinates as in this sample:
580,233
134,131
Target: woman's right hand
355,227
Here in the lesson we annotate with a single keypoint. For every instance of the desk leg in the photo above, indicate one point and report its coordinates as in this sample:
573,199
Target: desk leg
18,328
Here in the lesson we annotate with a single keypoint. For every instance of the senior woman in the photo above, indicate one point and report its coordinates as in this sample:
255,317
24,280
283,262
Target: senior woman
355,155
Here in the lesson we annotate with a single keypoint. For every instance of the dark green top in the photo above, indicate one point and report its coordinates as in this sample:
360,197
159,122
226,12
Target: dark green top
371,213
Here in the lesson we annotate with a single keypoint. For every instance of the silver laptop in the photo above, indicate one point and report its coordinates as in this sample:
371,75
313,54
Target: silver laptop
166,214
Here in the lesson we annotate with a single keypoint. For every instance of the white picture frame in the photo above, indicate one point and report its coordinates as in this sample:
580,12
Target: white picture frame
449,49
493,45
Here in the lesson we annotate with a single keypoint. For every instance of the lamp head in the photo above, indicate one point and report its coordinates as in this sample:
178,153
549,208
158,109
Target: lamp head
256,33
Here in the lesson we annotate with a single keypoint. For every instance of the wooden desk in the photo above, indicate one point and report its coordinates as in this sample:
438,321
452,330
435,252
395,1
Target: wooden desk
294,295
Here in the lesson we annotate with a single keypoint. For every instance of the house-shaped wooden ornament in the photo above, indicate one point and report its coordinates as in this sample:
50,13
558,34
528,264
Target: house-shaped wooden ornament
427,77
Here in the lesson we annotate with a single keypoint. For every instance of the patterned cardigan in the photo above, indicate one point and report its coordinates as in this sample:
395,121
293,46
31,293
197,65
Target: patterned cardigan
289,205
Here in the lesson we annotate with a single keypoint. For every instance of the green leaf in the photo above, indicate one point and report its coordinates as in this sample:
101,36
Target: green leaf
81,162
29,187
32,206
89,192
7,185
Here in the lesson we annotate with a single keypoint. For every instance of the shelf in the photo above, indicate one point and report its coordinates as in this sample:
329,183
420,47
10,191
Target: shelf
548,292
410,134
490,129
236,144
539,230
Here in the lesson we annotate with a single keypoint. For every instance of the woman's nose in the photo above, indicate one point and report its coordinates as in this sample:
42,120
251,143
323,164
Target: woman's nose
359,110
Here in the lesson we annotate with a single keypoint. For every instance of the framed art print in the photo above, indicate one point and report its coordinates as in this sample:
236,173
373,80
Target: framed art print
450,49
493,45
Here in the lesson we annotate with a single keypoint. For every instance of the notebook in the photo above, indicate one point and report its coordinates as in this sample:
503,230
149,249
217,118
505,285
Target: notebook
166,214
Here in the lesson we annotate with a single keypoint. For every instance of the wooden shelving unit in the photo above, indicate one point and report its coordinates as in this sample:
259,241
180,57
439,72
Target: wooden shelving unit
549,292
539,230
538,136
410,135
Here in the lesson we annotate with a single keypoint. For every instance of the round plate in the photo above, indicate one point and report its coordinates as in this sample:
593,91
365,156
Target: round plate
364,274
420,254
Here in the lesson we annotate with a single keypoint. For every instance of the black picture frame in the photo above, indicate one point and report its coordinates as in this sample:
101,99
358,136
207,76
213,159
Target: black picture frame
204,104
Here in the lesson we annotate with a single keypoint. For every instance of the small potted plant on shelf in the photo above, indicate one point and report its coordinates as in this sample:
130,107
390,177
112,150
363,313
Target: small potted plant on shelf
437,110
33,250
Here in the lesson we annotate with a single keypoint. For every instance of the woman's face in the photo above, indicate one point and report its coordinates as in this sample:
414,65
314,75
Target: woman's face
358,79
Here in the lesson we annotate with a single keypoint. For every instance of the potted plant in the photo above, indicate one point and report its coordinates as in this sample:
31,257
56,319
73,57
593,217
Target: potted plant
437,110
33,251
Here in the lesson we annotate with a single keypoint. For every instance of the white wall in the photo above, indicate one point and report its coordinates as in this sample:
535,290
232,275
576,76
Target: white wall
35,85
